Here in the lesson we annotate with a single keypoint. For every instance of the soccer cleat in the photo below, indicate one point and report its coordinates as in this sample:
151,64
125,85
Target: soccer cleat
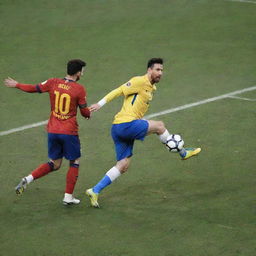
191,152
69,199
21,186
93,198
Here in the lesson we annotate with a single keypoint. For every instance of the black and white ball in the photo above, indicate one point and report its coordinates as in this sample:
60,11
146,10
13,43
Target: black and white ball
174,143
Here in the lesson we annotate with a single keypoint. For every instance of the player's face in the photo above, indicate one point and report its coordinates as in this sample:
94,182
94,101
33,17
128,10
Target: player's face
79,74
156,72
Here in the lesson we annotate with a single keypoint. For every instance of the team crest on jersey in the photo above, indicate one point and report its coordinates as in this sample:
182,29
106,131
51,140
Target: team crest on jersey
128,84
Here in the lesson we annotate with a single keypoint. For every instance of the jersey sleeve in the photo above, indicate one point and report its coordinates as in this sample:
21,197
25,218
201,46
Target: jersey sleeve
131,87
82,103
30,88
44,86
113,94
85,112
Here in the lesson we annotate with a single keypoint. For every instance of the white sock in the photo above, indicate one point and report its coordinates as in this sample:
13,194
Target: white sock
29,178
113,173
68,196
163,137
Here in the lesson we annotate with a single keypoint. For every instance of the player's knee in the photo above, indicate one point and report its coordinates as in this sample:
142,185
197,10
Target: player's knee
77,161
123,165
74,163
55,165
161,127
124,169
126,165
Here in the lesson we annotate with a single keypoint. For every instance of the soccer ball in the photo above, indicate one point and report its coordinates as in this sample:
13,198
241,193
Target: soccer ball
174,143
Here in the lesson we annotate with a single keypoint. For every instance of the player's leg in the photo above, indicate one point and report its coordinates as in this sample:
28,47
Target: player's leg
55,154
123,137
158,127
111,175
71,179
39,172
71,150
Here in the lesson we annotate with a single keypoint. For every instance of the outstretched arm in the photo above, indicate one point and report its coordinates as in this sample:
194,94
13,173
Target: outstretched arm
11,83
95,107
110,96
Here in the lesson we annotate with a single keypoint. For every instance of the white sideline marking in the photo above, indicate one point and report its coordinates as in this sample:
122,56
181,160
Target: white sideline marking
241,98
224,226
200,102
171,110
23,128
243,1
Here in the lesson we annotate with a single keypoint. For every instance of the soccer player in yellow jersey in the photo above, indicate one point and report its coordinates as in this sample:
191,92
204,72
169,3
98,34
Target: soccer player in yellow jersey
129,126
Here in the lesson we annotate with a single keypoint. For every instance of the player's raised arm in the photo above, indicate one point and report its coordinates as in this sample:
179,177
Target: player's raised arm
11,83
110,96
94,107
128,88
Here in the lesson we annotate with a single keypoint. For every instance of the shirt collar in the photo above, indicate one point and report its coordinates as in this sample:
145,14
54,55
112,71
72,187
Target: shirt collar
69,80
149,84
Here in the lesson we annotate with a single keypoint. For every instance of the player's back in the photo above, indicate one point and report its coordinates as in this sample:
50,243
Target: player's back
65,96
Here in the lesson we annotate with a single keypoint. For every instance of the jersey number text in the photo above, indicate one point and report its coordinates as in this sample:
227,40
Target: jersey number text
62,102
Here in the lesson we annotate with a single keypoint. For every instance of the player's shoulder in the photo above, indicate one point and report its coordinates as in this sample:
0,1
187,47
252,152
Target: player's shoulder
72,84
48,81
137,80
79,86
55,79
78,89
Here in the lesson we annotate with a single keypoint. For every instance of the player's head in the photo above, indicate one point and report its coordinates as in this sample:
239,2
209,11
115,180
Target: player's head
155,69
75,68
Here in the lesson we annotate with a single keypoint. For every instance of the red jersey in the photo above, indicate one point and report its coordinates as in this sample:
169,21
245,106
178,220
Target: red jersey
65,96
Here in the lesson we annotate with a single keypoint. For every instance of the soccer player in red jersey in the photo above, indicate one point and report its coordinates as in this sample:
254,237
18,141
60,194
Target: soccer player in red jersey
63,141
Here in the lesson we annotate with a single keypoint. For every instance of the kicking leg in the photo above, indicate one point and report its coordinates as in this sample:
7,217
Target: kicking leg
159,128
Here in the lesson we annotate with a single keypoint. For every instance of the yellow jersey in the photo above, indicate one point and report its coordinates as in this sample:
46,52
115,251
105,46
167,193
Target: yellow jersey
137,92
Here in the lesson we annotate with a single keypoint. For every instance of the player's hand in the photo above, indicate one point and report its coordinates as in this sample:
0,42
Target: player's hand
9,82
94,107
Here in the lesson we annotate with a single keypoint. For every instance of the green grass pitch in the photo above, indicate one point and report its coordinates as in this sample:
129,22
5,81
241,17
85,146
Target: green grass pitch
163,206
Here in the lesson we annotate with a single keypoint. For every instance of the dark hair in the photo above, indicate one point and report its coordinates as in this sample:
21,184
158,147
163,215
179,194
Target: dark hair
75,66
153,61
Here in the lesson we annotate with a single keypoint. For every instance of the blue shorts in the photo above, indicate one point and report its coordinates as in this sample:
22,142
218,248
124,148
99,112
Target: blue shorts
63,145
124,135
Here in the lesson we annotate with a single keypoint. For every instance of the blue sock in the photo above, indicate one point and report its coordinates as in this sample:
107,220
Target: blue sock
104,182
183,152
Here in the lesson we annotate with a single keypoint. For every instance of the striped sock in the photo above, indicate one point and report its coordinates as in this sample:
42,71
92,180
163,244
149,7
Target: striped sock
110,176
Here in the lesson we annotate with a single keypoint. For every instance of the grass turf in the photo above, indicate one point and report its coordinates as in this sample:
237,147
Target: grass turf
162,206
